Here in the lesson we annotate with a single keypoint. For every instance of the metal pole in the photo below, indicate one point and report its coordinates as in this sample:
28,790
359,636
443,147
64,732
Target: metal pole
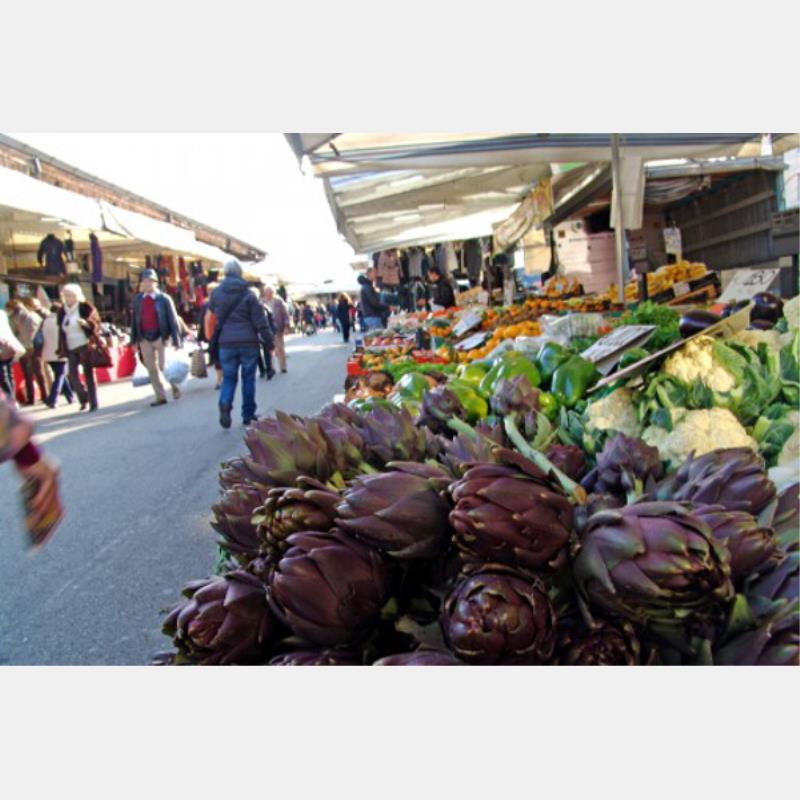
619,230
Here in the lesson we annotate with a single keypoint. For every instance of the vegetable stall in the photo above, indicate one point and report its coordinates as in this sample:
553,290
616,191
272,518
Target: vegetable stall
598,488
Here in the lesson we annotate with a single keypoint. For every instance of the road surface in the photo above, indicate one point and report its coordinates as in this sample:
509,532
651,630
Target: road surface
138,483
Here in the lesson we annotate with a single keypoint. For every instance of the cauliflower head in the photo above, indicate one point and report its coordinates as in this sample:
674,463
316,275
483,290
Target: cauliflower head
696,360
697,432
614,412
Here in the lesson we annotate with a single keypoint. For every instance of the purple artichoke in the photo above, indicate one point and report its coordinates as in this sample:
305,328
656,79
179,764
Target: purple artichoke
569,459
390,435
734,478
233,514
472,446
511,513
625,464
402,512
224,620
496,615
776,588
514,396
420,658
752,547
317,658
285,447
654,564
603,645
594,503
329,588
440,405
235,473
307,506
785,519
774,643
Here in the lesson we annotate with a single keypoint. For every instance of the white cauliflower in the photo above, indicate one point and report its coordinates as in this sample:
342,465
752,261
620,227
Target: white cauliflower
614,412
755,337
697,432
696,360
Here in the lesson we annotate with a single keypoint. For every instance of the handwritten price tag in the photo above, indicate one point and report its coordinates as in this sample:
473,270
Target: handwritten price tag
747,282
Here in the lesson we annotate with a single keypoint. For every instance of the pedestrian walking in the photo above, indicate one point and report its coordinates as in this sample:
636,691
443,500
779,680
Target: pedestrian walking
154,323
309,323
205,333
343,307
265,368
78,325
370,303
26,325
58,364
240,329
280,320
333,313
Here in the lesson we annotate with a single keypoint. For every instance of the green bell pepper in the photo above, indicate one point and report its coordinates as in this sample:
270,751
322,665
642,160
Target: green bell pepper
412,385
472,374
632,356
549,405
550,357
365,404
573,379
477,408
509,366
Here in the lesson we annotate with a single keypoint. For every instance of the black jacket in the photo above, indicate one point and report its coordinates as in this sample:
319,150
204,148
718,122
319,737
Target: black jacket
246,322
51,255
167,319
343,312
441,293
371,305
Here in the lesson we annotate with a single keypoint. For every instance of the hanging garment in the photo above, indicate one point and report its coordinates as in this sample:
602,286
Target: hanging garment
51,255
389,268
450,260
473,259
414,263
97,259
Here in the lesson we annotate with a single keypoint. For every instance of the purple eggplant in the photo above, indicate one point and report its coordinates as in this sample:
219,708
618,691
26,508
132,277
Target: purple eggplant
768,306
761,324
734,307
697,320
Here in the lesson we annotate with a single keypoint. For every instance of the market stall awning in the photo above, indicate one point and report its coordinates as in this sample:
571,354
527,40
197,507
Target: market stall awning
401,188
22,192
161,234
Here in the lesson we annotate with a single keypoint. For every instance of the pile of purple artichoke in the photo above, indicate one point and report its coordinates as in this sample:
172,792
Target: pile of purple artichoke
358,538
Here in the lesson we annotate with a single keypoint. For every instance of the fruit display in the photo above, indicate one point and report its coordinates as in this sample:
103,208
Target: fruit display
504,513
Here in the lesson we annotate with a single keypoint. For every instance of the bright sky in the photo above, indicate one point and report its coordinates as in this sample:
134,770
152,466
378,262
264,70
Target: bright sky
248,185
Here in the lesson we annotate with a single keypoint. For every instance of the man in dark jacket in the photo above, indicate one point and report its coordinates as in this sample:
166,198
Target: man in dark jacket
154,322
242,329
371,306
441,291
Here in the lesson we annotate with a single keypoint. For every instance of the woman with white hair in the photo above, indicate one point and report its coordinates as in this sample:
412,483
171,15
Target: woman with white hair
78,325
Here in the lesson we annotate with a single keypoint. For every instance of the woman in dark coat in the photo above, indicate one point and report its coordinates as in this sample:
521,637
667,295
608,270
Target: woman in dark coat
343,306
78,327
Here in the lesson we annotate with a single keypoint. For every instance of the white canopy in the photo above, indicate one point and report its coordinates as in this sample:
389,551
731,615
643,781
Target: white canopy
388,189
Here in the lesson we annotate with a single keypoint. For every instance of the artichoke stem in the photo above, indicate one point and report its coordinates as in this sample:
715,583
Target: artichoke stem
576,492
459,426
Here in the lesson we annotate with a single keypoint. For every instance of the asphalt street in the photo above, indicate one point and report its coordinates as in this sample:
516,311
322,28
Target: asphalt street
138,483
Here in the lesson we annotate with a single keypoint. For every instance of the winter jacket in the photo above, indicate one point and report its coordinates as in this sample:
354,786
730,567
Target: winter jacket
441,293
50,331
343,312
88,313
371,305
26,324
51,255
241,312
168,325
280,316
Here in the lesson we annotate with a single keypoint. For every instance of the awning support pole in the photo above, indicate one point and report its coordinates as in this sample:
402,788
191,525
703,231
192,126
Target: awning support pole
619,230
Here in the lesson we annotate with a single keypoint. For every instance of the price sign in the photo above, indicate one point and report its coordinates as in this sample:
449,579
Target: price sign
681,288
605,352
469,321
474,341
747,282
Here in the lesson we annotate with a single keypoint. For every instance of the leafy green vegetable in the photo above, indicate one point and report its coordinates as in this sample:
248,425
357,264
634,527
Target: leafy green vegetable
772,430
664,318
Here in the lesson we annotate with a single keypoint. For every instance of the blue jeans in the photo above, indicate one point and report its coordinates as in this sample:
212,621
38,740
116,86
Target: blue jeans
373,323
231,359
61,384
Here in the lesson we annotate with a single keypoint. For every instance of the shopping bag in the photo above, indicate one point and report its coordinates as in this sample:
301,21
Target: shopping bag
198,364
140,376
176,371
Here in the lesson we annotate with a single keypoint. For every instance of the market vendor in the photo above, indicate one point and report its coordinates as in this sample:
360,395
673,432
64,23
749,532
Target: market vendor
371,305
441,291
